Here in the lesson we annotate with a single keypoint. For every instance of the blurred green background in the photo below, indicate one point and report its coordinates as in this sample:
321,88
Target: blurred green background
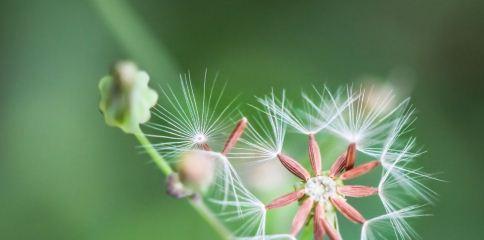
65,175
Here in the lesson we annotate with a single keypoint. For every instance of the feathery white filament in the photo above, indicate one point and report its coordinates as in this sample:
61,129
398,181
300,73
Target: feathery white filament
315,116
399,184
378,227
189,121
239,205
399,177
265,144
367,124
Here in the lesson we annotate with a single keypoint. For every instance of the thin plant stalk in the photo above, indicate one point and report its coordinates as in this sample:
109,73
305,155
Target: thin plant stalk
135,37
196,203
157,158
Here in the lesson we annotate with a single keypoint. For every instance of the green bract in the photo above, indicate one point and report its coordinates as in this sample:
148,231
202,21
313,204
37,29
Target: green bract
126,98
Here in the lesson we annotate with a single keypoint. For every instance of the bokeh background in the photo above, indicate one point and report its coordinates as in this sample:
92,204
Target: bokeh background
65,175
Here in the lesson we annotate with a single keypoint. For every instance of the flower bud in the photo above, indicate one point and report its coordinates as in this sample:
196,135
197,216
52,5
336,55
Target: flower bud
196,170
175,188
126,98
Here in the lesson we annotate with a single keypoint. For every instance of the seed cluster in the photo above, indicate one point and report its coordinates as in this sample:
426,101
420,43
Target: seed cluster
320,188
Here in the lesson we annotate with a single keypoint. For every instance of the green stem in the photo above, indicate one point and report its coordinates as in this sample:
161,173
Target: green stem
196,203
136,38
157,158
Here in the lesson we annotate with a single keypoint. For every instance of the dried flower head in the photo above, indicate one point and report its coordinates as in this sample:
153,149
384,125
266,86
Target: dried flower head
323,192
374,130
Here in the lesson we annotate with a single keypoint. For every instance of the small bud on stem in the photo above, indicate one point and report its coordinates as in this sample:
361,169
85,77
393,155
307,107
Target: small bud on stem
196,170
126,98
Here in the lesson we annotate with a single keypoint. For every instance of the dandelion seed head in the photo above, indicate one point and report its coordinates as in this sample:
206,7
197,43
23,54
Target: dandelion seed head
372,124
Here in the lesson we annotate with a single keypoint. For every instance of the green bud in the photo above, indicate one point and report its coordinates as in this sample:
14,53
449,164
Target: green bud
126,98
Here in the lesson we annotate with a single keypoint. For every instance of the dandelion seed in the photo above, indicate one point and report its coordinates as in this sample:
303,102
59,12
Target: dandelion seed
197,125
398,184
266,144
399,179
189,121
225,172
237,204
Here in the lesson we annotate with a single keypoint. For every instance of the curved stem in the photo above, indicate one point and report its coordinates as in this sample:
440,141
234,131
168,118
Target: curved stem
136,38
159,160
196,203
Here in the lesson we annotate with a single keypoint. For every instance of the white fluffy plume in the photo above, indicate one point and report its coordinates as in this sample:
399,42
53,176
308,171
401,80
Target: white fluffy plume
188,121
318,111
237,205
392,225
370,117
264,137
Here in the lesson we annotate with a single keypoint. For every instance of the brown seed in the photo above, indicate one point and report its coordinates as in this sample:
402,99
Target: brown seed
314,155
347,210
332,233
318,225
234,136
301,216
285,200
338,165
357,191
360,170
351,156
294,167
